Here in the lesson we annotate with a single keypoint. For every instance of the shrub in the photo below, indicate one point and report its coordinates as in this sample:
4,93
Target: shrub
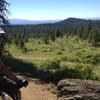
51,65
89,57
60,70
59,52
83,71
70,58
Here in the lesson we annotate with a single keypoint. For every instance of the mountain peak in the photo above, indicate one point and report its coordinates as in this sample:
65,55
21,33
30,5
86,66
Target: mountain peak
72,20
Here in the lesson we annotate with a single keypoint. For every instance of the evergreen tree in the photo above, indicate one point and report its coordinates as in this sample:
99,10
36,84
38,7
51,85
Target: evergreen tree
80,32
58,34
96,39
46,38
89,29
52,36
3,20
21,44
3,12
91,36
89,26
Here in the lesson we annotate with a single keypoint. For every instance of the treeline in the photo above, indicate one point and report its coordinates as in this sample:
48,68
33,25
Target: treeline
89,30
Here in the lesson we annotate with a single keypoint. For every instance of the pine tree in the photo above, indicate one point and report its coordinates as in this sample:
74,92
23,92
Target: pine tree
21,44
89,26
3,20
91,36
3,12
52,36
94,38
81,32
96,41
89,29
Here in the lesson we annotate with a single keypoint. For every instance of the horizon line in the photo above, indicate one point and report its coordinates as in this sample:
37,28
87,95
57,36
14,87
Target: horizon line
48,19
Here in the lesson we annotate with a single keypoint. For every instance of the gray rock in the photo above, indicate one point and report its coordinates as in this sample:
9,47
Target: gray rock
76,89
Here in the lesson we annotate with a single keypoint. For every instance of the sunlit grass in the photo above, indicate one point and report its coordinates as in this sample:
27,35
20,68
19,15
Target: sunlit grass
71,51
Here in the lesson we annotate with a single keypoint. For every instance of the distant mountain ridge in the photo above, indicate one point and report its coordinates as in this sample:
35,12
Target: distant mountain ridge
25,22
74,21
68,21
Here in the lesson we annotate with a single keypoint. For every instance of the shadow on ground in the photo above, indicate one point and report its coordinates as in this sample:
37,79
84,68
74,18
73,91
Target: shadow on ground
31,71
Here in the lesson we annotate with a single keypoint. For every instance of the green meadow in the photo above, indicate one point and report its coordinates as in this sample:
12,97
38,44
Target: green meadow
76,56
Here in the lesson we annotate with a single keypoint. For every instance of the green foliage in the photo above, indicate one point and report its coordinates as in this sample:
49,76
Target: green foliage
75,58
70,58
46,40
51,65
59,52
3,12
89,57
82,71
89,30
96,39
69,70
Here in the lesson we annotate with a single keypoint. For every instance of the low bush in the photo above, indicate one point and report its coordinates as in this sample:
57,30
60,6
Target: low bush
88,57
59,52
61,70
51,65
82,71
70,58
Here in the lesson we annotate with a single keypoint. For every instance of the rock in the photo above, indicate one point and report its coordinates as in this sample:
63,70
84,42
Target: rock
76,89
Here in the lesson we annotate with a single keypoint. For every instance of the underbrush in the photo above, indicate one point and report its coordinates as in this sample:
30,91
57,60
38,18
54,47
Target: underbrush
75,58
53,70
89,57
62,70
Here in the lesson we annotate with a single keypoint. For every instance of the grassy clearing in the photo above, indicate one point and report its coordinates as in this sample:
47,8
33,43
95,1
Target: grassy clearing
62,46
75,56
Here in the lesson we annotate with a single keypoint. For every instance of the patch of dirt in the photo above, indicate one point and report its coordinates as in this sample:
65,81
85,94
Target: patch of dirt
37,90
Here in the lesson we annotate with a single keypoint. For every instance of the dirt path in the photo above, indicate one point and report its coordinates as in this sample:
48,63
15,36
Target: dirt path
37,90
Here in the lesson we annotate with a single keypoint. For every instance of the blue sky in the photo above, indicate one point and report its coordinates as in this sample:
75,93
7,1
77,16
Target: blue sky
53,9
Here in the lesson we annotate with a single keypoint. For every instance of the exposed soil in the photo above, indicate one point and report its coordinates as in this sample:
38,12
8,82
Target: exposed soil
37,90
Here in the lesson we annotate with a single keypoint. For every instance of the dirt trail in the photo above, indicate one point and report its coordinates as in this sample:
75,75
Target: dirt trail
37,90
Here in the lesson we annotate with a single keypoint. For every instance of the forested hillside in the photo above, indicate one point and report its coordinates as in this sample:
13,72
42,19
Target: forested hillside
84,29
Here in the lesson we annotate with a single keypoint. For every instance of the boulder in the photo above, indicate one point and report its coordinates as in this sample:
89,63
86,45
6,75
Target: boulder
77,89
